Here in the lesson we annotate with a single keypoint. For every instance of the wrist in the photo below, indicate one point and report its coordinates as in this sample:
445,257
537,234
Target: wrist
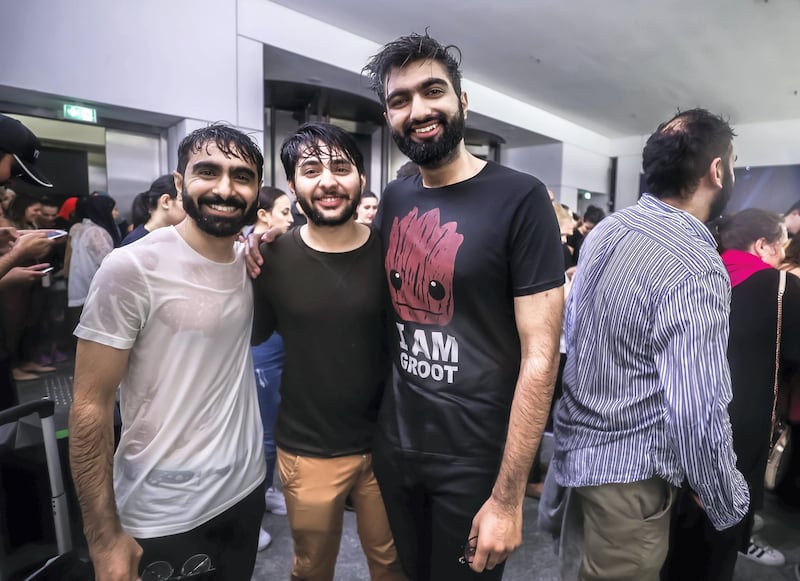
506,501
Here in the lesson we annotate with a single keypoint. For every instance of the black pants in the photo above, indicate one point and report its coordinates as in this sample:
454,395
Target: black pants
430,501
229,539
698,551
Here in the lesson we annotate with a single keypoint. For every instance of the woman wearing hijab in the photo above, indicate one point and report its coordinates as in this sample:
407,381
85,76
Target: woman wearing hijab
92,238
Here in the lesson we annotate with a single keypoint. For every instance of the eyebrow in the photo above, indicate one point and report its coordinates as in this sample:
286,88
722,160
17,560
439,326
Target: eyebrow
338,160
216,167
420,87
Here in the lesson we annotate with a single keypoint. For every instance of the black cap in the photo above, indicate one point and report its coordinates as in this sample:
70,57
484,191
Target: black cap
20,142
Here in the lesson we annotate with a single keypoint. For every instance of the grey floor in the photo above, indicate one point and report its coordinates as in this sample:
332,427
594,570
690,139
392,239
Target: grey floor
535,560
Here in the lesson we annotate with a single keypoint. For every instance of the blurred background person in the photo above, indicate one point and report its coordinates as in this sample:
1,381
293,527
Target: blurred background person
24,212
789,490
48,214
752,242
8,196
591,218
65,218
408,169
164,207
367,208
566,225
91,239
274,213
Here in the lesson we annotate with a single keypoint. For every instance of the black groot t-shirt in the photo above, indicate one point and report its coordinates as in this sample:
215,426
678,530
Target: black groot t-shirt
455,258
330,310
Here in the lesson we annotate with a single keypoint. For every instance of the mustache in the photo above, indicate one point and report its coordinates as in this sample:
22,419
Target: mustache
408,125
216,199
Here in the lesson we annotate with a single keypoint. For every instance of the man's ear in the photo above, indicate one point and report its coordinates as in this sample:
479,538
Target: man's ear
178,179
716,172
363,183
290,183
464,103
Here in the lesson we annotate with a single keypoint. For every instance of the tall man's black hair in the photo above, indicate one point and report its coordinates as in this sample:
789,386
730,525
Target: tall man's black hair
408,49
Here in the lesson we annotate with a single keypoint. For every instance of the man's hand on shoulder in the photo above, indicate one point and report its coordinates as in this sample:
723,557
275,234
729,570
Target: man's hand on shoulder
497,529
253,256
117,559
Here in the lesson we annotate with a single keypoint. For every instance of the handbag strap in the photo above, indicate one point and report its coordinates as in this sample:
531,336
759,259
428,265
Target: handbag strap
781,289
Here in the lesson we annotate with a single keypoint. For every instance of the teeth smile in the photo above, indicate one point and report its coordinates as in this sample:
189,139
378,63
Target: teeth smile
226,209
426,129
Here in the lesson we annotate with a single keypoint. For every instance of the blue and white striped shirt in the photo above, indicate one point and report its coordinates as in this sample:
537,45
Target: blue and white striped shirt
647,384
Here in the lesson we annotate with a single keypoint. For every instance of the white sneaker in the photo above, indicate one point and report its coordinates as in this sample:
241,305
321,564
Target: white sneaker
764,554
758,522
274,501
264,539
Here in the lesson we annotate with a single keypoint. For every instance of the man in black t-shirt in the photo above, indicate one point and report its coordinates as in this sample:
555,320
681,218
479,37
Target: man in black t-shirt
321,287
473,261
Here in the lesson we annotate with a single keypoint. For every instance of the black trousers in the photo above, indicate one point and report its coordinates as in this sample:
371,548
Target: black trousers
229,539
430,501
698,551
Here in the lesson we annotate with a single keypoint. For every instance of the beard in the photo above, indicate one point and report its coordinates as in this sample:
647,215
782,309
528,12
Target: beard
722,197
219,226
318,219
433,154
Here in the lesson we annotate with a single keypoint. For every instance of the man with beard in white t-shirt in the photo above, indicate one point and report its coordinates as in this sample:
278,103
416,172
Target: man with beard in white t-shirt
168,320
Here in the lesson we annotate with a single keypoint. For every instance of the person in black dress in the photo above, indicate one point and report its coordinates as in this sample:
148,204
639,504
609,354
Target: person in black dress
752,242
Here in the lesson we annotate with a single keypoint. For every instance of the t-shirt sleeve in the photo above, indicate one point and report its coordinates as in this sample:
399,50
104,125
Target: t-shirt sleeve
537,261
263,315
117,305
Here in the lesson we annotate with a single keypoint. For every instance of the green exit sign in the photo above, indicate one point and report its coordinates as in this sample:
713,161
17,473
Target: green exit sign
79,113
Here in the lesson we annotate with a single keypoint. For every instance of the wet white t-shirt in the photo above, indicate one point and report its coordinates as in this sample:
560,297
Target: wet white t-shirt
192,443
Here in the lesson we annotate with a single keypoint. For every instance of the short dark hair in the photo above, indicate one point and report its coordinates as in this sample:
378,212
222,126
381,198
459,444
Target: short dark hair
230,141
408,49
50,202
140,209
267,197
314,136
741,230
793,208
593,214
144,203
163,185
680,151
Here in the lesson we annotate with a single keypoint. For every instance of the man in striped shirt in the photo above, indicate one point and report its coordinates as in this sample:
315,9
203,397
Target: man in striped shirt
646,384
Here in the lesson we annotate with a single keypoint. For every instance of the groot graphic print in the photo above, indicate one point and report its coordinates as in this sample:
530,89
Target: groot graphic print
419,265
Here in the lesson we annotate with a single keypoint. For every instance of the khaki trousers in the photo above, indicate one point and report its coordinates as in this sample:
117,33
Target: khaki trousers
315,490
626,530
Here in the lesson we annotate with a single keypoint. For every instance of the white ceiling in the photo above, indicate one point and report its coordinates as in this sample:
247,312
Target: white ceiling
618,67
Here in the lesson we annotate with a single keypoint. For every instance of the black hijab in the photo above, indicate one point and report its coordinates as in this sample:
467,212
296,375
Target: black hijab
99,210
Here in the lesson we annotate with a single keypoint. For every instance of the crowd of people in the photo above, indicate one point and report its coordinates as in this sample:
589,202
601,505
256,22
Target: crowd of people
403,356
